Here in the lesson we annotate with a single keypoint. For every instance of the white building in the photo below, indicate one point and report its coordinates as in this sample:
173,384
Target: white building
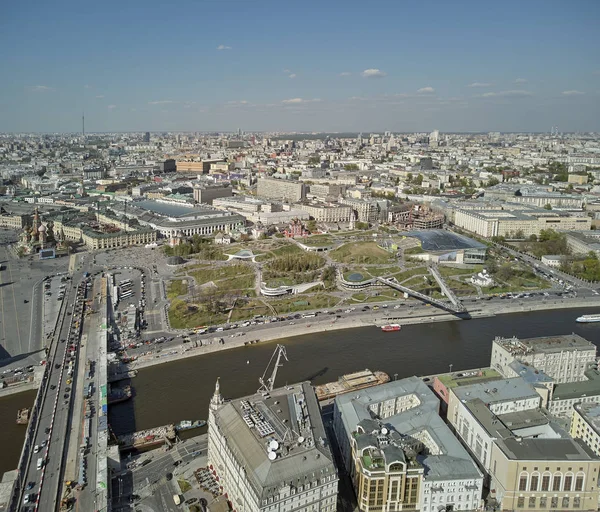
563,358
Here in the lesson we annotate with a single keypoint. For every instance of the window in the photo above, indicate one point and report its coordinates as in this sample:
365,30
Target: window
556,483
568,482
521,502
565,502
577,502
532,502
579,483
545,482
543,502
523,482
535,480
554,503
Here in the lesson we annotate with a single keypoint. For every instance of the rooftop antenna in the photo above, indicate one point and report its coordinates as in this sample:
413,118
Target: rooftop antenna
267,386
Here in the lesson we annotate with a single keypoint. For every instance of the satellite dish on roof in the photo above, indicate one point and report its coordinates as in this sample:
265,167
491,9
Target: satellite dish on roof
384,431
272,455
273,445
300,440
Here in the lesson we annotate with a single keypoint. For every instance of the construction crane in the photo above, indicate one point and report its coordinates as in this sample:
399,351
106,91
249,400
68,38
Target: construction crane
267,386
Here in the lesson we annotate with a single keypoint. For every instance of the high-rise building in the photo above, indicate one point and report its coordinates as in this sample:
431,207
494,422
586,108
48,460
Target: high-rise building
147,137
270,451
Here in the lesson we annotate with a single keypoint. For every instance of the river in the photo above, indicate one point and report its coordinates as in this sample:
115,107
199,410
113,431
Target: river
180,390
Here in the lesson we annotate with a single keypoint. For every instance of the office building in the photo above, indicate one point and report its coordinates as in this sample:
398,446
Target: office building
328,212
284,190
531,463
399,452
205,194
585,425
270,451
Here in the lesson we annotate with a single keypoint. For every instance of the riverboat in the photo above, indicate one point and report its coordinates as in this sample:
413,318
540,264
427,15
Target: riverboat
23,416
351,382
391,327
188,425
586,319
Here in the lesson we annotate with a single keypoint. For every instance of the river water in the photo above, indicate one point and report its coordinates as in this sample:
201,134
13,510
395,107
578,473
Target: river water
180,390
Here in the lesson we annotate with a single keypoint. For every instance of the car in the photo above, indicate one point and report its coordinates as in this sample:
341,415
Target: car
191,500
66,395
30,486
25,301
57,366
169,477
36,449
47,430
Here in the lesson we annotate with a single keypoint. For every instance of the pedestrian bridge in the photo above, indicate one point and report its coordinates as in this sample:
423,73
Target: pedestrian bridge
450,307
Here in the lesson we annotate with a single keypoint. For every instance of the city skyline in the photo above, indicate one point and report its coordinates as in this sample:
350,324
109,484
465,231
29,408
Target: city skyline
308,67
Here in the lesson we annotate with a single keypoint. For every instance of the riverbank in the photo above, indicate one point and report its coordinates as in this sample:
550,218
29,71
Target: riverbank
26,385
307,326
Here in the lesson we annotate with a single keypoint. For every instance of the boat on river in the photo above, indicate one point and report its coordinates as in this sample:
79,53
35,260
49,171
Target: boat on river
587,319
351,382
391,327
188,425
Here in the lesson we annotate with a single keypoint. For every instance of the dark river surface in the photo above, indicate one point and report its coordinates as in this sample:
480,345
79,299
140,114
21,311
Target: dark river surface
180,390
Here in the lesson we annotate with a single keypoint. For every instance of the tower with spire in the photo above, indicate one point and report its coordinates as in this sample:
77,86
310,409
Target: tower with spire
217,400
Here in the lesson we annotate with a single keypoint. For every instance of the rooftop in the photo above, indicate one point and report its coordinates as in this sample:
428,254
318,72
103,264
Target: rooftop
278,437
544,344
442,240
451,380
590,387
504,390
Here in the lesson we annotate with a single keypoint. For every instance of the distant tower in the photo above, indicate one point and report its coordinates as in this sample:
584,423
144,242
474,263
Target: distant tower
83,124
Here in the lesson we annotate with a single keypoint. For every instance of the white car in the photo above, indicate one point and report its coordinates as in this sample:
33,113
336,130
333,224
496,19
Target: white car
36,449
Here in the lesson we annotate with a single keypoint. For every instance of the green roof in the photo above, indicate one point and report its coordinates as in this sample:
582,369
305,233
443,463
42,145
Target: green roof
451,380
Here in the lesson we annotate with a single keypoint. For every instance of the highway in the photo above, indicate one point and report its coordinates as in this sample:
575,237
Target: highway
52,431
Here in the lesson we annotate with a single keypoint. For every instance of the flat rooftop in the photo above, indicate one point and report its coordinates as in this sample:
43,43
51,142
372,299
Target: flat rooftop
165,209
544,344
590,387
467,377
503,390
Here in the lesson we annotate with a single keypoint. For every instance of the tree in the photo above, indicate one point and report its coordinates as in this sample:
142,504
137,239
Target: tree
492,181
362,225
314,160
351,167
520,234
548,206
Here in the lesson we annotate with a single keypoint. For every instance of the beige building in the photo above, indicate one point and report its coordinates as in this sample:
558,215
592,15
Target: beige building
95,240
285,190
490,223
328,212
585,425
365,210
269,451
532,464
14,221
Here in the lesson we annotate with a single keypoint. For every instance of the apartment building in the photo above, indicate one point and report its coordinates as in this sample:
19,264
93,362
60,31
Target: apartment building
563,358
364,209
285,190
400,454
270,452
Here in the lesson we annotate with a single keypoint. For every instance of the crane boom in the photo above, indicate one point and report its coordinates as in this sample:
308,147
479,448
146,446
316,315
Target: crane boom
267,386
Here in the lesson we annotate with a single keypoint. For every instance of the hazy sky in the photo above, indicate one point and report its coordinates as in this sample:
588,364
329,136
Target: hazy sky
313,65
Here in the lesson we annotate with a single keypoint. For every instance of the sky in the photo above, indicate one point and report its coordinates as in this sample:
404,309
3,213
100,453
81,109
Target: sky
220,65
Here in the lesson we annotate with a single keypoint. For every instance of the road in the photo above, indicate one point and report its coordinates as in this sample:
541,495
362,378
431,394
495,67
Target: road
21,302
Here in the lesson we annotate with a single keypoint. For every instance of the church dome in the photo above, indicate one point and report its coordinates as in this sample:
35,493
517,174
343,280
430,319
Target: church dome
42,228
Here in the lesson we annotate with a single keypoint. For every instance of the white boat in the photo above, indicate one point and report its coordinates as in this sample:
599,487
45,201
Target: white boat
585,319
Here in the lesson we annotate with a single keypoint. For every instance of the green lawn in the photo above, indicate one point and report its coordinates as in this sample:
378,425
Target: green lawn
316,301
401,276
177,288
184,316
206,274
453,271
361,252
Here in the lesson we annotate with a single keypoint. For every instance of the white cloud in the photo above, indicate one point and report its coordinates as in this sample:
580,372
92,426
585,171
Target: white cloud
111,107
160,102
480,84
426,90
100,96
373,73
520,81
287,71
299,101
293,75
39,88
507,94
345,73
223,47
572,93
